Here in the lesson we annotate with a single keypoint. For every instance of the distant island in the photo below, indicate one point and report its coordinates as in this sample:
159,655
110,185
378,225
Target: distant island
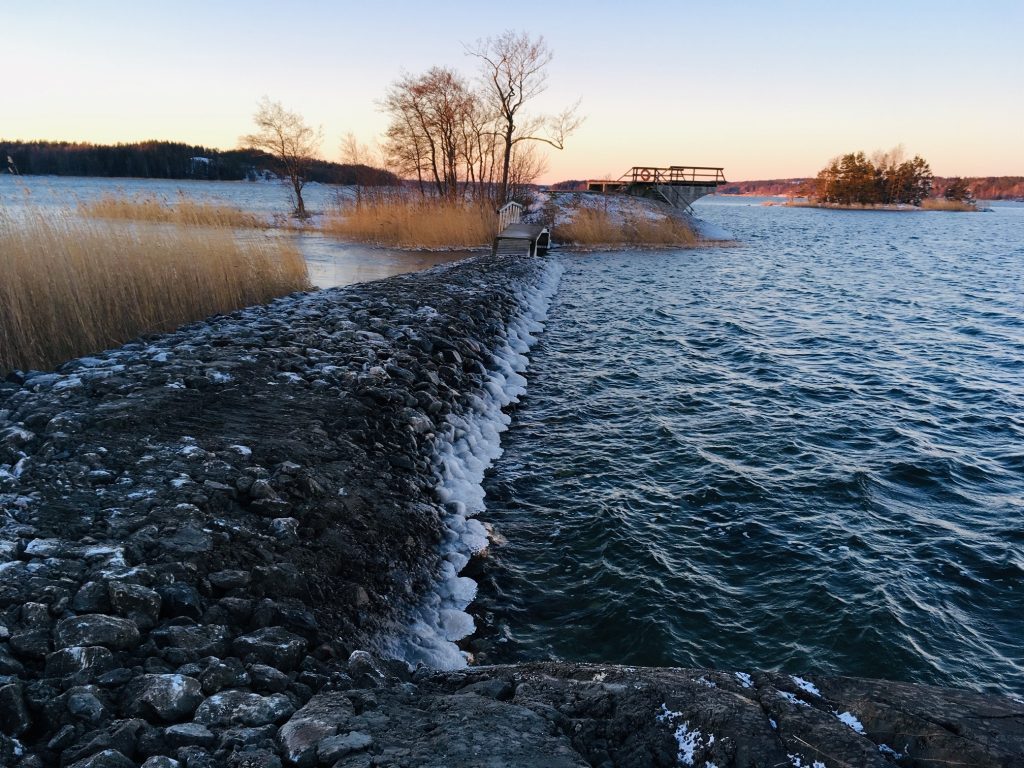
984,187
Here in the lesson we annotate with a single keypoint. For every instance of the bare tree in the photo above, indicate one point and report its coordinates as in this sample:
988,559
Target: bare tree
293,144
513,70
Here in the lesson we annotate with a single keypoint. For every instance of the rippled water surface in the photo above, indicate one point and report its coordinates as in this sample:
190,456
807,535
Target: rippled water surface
802,453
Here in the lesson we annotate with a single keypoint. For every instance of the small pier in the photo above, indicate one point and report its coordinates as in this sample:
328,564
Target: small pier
677,185
516,238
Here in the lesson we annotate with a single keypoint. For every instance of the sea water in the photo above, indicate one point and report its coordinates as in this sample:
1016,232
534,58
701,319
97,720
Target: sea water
803,453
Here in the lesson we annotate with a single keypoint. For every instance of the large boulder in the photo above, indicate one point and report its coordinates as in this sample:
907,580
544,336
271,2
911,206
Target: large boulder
163,698
112,632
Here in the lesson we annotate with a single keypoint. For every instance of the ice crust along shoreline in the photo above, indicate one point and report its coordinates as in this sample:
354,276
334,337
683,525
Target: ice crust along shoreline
469,445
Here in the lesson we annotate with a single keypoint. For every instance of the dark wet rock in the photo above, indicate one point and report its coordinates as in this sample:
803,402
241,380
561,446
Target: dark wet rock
333,748
189,735
135,602
161,761
185,643
273,646
180,600
319,719
108,758
266,678
31,644
86,706
84,663
91,597
254,758
243,708
163,698
96,629
14,715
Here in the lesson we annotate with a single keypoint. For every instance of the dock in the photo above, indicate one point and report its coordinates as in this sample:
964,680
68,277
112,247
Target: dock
517,238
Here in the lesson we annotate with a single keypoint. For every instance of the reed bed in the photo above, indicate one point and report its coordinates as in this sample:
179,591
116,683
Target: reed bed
414,223
183,211
942,204
72,287
596,226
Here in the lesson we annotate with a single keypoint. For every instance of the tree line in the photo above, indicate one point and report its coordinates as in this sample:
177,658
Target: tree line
169,160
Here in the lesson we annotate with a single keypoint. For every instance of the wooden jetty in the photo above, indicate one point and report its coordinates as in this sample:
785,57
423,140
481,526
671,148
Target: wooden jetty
516,238
677,185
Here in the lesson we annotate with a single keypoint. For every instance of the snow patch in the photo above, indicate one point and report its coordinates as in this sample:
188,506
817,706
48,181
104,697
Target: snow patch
797,762
805,685
792,698
888,751
851,720
745,680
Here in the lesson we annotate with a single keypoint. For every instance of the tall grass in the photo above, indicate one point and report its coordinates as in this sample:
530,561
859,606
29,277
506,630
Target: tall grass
942,204
71,287
596,226
414,223
183,211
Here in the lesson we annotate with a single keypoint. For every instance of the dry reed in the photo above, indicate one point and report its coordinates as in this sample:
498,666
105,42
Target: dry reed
183,211
413,223
596,226
72,287
942,204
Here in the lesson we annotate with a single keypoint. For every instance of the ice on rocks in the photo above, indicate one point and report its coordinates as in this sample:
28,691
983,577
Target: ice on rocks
466,447
805,685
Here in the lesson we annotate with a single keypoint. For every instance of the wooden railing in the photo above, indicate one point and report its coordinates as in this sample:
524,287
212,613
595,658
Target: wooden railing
675,174
510,213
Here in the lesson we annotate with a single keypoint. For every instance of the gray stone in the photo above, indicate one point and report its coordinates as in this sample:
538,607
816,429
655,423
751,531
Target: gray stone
31,644
92,597
85,662
190,643
163,698
365,670
242,708
264,678
161,761
228,580
180,600
254,758
319,719
219,675
97,629
333,748
135,602
189,735
14,715
273,646
86,706
108,758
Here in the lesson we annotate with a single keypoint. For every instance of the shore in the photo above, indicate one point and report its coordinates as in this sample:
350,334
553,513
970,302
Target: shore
204,532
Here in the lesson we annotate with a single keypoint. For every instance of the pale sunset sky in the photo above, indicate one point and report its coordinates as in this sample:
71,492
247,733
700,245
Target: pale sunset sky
767,90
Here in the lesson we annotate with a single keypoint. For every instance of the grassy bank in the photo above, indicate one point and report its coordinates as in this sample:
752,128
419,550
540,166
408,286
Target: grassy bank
72,287
182,211
414,223
592,226
942,204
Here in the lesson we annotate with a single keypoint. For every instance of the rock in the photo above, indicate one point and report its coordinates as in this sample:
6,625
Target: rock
31,644
86,706
163,698
62,739
264,678
91,597
365,670
85,663
273,646
180,600
135,602
108,758
182,644
254,758
495,688
228,580
333,748
223,674
242,708
8,664
189,735
161,761
97,629
14,715
319,719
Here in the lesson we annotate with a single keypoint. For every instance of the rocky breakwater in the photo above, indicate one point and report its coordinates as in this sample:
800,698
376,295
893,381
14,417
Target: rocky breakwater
198,529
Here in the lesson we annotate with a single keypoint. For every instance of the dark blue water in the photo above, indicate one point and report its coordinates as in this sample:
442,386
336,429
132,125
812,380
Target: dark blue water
804,453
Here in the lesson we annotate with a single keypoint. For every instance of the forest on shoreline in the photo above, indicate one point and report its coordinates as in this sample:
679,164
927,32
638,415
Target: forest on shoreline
168,160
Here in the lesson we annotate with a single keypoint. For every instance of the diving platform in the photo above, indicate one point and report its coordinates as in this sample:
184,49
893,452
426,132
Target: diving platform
677,185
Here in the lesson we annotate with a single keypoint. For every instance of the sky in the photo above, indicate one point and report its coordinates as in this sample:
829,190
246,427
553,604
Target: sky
763,89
